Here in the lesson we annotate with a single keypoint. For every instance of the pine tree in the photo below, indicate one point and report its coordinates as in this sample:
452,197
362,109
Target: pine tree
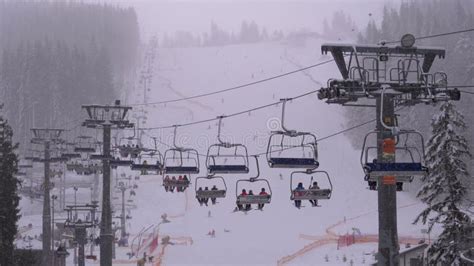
443,190
9,199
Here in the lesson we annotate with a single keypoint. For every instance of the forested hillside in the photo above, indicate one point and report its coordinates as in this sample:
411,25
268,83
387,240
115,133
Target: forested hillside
423,18
58,55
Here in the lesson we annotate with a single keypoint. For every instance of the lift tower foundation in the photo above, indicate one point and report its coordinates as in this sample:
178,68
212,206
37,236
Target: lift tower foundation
393,76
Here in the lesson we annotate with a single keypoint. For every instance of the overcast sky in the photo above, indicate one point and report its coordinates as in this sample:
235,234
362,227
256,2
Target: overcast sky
160,16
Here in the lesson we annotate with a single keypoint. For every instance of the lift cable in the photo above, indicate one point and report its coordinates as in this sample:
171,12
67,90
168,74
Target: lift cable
434,35
236,87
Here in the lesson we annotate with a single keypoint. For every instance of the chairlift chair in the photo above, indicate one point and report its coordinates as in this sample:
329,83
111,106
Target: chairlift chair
220,161
69,153
290,148
403,171
207,194
180,160
148,162
310,193
116,161
256,198
85,144
130,146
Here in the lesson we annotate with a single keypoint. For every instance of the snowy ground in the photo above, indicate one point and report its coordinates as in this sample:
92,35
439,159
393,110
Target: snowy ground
281,234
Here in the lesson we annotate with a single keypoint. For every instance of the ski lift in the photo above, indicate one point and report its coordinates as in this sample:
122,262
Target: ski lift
84,144
290,148
220,192
413,164
310,193
218,161
56,157
257,198
130,146
33,155
148,162
25,165
69,153
180,160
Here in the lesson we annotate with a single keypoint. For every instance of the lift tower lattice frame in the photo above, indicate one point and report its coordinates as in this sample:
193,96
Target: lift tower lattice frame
46,137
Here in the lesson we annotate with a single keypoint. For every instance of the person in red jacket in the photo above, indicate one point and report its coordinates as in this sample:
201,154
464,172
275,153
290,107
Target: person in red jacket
243,194
262,193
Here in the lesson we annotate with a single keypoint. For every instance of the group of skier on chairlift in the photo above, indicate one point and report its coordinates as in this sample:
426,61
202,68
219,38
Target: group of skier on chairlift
205,201
248,207
299,190
181,179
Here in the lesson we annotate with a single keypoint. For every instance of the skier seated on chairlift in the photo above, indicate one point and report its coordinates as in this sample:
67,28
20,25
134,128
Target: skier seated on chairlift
262,193
298,192
205,200
213,200
315,186
243,194
144,171
200,200
185,181
248,207
173,181
167,179
180,181
373,184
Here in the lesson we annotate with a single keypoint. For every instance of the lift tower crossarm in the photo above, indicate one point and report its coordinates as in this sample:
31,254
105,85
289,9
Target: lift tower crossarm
339,51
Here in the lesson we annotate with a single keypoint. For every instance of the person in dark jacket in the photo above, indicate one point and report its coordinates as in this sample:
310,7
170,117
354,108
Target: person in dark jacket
213,200
297,192
248,207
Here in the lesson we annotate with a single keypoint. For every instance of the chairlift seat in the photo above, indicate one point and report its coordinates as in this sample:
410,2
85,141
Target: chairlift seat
228,169
98,157
206,194
84,149
115,162
395,169
402,179
181,169
254,199
152,167
306,163
311,194
58,159
71,155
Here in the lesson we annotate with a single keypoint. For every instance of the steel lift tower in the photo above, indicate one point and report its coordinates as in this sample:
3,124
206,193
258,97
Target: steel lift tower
46,137
392,76
106,117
